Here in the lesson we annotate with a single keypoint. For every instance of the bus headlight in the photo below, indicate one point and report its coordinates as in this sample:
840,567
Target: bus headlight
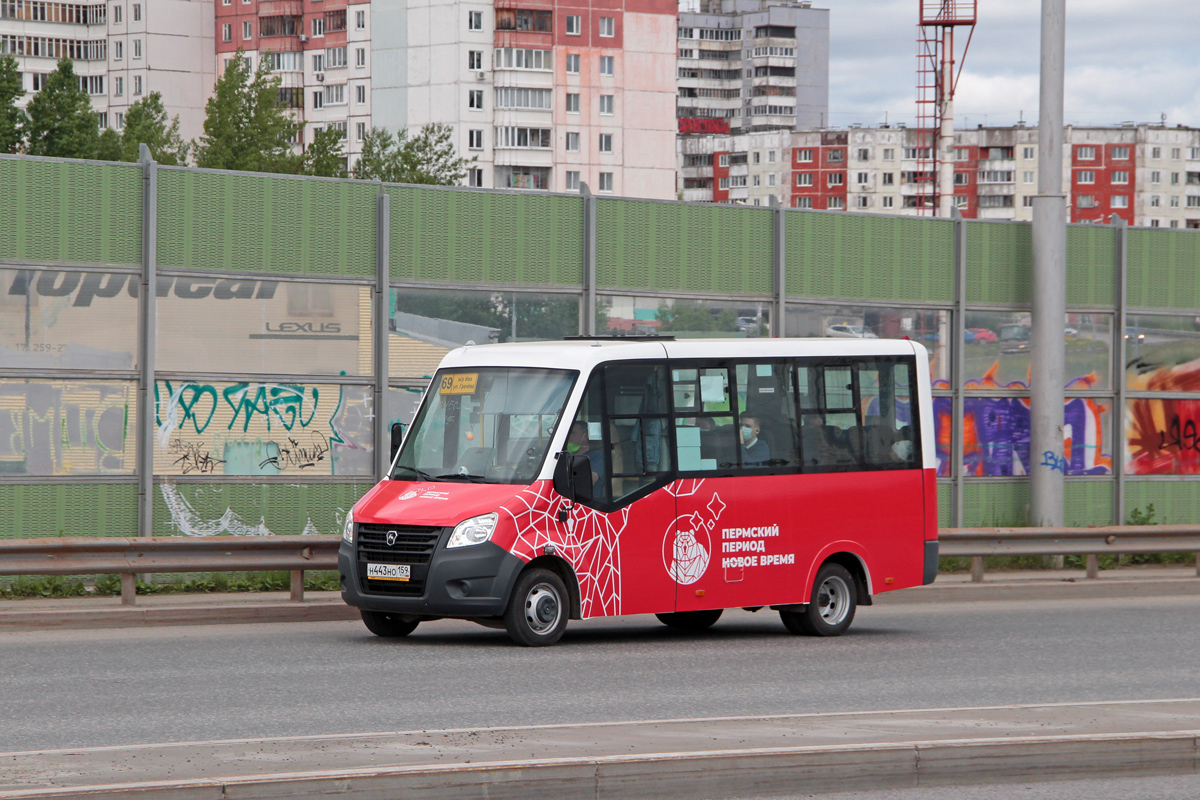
475,530
348,528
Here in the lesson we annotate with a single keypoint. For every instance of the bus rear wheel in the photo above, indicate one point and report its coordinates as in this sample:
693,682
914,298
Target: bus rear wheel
537,611
389,626
831,610
690,620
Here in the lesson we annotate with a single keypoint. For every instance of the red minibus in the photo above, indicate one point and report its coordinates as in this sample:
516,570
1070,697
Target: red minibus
549,481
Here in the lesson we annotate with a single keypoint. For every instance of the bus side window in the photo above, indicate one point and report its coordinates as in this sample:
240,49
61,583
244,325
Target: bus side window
830,430
765,402
886,409
705,435
586,438
637,413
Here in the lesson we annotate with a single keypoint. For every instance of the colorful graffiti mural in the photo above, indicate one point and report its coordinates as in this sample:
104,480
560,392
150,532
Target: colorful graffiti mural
67,427
996,431
1162,436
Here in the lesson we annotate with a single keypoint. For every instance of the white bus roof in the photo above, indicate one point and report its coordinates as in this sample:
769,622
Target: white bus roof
583,354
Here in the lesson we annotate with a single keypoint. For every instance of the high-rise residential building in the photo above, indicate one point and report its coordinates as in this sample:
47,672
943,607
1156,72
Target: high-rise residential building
321,50
1145,175
122,51
543,95
752,65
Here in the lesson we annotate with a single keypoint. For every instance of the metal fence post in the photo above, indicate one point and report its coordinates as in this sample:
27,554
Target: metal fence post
587,322
147,316
779,269
1121,234
382,315
957,373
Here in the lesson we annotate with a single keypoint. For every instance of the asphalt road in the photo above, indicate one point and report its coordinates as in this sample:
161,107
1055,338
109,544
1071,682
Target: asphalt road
1165,787
141,685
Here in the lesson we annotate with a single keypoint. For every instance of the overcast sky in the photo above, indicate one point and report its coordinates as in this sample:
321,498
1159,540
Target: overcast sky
1126,60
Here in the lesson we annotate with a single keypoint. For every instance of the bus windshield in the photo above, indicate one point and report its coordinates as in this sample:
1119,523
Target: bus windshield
485,425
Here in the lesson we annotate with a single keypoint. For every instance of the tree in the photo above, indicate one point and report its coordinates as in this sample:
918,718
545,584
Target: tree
427,158
245,127
61,121
12,119
146,123
325,155
109,146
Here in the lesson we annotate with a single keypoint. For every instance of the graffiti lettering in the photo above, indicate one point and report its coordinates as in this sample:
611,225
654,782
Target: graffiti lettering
1184,437
193,457
109,284
281,401
294,454
1054,462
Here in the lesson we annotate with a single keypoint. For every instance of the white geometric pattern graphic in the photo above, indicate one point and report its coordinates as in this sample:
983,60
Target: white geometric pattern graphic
589,540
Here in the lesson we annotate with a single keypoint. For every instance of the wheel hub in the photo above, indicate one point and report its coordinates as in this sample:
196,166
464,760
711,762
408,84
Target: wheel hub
542,608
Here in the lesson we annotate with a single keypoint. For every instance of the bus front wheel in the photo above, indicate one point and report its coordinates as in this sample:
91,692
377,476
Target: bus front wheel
831,610
389,626
537,611
690,620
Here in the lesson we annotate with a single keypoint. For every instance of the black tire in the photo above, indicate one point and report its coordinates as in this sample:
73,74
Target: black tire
831,609
389,626
690,620
538,609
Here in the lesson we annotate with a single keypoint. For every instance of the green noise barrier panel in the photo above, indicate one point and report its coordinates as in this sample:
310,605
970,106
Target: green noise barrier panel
945,498
29,511
999,266
1175,502
1091,265
869,258
281,509
485,237
1088,502
998,504
1163,269
673,247
263,223
70,212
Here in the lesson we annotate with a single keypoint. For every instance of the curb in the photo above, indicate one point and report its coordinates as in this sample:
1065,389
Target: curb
217,614
1060,589
713,774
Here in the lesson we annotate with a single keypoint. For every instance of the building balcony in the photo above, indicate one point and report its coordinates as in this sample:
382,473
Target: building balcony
280,8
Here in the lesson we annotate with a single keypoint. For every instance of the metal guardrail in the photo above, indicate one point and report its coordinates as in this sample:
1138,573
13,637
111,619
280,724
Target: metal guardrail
129,557
976,543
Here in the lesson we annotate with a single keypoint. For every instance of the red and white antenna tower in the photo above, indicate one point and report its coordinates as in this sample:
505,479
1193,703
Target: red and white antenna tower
938,70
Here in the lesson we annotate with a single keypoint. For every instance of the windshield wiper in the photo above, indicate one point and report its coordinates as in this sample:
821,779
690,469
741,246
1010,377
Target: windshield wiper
463,476
422,474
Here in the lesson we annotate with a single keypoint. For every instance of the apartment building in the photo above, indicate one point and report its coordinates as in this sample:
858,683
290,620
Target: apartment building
543,95
1145,175
321,50
752,65
122,51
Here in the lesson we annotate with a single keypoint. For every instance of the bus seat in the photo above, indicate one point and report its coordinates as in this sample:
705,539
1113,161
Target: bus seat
475,460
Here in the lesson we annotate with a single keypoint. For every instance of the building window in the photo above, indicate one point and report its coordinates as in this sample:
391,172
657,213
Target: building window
116,15
1028,153
863,178
1153,223
137,84
360,94
862,201
318,27
1155,201
1120,176
889,179
1155,176
961,179
607,28
1174,223
1086,176
572,63
137,12
118,50
888,202
573,26
318,62
475,139
606,65
723,160
137,46
572,142
118,86
771,178
864,154
474,20
889,154
319,99
572,181
518,58
1175,153
360,56
802,202
247,31
475,177
606,143
804,155
537,138
1175,202
606,104
475,99
120,119
1194,154
962,154
1027,176
836,156
475,59
836,179
757,182
836,203
572,102
1085,201
335,57
804,179
606,182
1086,154
1120,153
227,32
1174,175
1027,201
1121,201
1156,152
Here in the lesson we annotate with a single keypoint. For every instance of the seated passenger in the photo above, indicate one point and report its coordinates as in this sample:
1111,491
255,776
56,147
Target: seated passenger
755,452
578,444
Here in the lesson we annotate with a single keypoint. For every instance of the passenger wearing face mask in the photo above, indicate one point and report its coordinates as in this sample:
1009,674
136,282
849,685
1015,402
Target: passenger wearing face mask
755,452
579,444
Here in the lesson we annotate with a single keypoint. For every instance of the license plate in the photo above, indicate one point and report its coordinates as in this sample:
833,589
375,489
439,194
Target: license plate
388,572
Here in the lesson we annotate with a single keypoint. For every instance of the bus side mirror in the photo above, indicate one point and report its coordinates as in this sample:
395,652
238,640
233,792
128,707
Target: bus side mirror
397,437
573,477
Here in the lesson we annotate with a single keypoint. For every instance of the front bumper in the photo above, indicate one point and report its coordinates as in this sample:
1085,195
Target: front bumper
472,581
931,562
